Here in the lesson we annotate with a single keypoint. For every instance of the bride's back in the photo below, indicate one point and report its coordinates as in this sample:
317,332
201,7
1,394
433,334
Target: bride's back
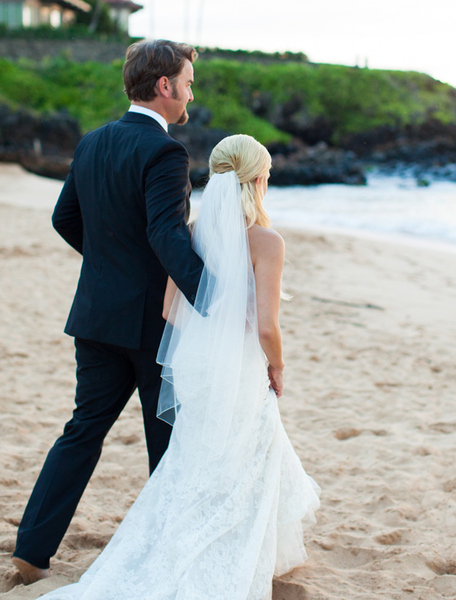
252,163
263,242
267,251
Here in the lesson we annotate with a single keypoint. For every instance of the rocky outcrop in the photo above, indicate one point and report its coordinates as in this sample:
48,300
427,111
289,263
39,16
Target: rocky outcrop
293,164
45,145
42,144
300,164
199,141
424,142
293,117
427,148
425,151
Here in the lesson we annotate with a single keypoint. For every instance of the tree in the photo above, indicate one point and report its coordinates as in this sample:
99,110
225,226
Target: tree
98,19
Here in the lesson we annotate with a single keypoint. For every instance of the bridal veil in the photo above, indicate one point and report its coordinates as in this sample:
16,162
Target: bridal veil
202,350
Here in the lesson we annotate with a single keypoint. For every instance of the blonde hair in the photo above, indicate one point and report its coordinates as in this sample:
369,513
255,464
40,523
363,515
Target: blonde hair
249,159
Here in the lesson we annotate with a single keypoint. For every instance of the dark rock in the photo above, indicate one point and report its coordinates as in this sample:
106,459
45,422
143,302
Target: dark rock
42,144
199,116
294,163
199,141
292,117
55,167
261,104
282,149
59,133
311,165
285,111
45,145
199,176
423,182
427,141
18,130
367,142
426,151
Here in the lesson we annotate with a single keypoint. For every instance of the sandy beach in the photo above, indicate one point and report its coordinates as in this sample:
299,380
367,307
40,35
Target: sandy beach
369,405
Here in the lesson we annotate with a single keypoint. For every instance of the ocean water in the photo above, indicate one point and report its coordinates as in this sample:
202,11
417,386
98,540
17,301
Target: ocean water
388,206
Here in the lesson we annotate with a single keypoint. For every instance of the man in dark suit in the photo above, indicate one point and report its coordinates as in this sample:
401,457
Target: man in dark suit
123,207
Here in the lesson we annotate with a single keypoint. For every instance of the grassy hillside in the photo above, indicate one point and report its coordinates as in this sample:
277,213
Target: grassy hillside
352,99
263,99
91,92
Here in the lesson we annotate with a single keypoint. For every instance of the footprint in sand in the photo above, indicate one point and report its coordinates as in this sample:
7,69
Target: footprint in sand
345,433
7,544
79,541
392,537
344,557
449,486
443,427
9,580
443,565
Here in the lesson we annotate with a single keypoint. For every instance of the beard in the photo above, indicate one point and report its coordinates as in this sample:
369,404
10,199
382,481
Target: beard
184,116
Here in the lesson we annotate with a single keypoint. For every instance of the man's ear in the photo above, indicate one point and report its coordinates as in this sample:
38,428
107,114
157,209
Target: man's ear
164,87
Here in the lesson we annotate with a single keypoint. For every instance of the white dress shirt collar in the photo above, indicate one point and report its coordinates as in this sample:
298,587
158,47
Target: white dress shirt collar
150,113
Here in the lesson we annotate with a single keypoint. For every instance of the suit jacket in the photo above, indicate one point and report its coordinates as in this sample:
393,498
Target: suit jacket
123,207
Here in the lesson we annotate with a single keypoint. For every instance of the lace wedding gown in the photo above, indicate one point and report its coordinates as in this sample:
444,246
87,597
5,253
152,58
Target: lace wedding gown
225,508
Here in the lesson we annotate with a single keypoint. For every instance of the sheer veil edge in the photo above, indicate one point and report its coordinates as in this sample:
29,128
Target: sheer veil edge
203,346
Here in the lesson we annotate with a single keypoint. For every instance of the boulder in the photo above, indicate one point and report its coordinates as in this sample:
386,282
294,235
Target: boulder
414,143
42,144
310,165
295,163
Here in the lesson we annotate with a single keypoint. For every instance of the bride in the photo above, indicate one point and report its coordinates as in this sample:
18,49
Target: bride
224,510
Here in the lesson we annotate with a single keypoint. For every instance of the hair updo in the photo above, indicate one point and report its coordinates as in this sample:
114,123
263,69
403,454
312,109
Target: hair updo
249,159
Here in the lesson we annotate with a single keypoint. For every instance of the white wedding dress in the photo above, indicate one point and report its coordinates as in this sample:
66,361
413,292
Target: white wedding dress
225,508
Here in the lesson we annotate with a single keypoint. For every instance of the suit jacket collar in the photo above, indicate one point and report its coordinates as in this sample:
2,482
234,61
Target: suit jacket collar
132,117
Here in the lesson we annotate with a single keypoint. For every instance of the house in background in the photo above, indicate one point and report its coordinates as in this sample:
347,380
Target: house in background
120,11
33,13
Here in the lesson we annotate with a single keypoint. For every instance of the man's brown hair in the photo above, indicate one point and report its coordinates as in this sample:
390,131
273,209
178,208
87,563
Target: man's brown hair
146,62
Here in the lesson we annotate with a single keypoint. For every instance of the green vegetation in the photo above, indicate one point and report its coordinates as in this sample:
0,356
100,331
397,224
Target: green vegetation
97,20
243,96
351,99
91,92
251,55
107,31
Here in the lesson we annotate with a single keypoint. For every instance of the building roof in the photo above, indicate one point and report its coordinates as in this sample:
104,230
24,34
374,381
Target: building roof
78,4
132,6
73,4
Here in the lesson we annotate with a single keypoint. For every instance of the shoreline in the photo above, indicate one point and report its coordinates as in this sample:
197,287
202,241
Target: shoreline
22,189
389,238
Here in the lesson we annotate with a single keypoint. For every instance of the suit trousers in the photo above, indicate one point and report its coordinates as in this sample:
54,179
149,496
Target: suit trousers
107,376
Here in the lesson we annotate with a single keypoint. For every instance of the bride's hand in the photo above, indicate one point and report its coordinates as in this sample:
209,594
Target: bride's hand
276,380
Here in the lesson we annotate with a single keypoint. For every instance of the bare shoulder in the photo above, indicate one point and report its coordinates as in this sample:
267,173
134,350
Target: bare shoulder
266,244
